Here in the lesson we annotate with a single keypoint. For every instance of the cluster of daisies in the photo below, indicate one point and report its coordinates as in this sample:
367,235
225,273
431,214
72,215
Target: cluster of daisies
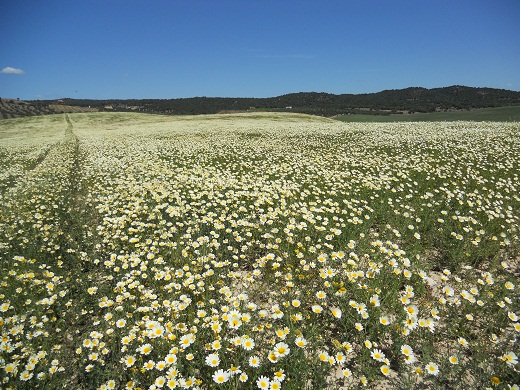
281,252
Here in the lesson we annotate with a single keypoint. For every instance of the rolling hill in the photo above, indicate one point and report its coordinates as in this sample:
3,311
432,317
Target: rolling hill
397,101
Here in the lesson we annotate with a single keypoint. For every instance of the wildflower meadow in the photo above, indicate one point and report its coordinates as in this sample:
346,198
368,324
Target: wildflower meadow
258,251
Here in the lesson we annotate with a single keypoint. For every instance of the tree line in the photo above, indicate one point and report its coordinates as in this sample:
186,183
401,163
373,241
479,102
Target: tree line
410,100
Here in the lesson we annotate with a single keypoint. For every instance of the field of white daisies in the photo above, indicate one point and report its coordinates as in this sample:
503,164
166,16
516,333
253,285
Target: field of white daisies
258,251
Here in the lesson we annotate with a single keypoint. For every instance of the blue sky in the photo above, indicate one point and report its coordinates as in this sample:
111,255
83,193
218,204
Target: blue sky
253,48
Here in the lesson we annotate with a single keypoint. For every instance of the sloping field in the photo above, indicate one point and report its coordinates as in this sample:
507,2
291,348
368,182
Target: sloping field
257,251
10,108
62,108
496,114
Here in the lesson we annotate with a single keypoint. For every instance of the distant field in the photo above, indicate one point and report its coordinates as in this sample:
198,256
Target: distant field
257,251
498,114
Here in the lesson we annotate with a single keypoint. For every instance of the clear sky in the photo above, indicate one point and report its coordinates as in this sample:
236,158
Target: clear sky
103,49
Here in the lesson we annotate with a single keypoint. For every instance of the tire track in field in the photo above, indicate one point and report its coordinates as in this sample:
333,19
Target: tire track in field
78,220
13,181
73,216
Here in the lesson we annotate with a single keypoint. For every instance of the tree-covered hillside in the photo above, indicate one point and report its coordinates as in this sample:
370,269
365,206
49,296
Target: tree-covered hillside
408,100
413,99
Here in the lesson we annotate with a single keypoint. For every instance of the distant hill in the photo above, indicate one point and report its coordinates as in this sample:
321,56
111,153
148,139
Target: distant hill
396,101
408,100
15,108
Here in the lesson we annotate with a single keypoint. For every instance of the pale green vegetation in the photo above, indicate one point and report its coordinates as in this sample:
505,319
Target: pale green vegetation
497,114
267,251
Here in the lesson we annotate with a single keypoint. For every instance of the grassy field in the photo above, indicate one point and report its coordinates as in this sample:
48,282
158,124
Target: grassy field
260,251
497,114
